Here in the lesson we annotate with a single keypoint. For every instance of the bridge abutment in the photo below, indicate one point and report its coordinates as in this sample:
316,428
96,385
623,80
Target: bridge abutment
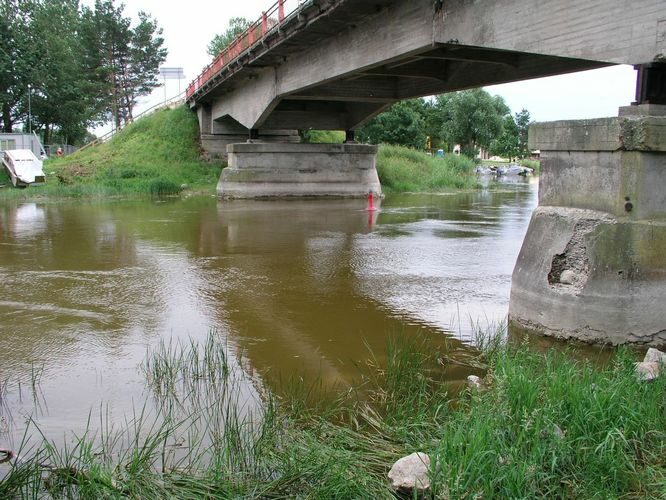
280,170
593,266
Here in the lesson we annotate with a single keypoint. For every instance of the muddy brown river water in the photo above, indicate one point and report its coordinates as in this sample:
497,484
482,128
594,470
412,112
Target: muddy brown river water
301,288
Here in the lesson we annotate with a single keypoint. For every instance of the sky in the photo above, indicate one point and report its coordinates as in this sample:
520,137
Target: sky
588,94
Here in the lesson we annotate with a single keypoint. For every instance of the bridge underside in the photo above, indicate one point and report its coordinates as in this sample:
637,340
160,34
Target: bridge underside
348,102
340,62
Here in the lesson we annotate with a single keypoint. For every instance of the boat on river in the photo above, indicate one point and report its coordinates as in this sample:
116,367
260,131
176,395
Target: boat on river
23,167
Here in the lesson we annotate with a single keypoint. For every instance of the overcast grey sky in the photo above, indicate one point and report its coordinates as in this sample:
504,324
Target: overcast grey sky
589,94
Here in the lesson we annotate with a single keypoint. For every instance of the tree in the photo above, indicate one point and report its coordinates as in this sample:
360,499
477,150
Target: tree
403,124
60,90
15,61
127,58
507,144
474,119
435,115
237,25
522,123
145,56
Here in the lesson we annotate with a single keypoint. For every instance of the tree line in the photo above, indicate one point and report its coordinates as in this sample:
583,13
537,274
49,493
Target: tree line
474,119
73,67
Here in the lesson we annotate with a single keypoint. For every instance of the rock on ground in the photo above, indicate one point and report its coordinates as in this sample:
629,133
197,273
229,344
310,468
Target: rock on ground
410,474
474,382
655,356
647,371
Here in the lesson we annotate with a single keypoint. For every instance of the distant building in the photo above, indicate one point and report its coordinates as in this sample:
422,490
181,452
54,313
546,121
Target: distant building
9,141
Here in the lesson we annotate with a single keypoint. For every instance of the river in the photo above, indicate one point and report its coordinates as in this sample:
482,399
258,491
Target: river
298,288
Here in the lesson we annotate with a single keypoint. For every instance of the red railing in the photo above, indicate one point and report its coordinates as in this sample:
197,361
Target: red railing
251,37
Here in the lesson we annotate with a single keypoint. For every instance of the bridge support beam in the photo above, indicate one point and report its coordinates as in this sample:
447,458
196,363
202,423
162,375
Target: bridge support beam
281,170
592,266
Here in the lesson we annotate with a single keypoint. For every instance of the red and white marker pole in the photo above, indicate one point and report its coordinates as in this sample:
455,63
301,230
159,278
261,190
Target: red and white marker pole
371,204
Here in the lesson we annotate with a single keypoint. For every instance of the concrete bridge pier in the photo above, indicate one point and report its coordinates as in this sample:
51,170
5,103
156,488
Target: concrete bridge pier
593,263
281,170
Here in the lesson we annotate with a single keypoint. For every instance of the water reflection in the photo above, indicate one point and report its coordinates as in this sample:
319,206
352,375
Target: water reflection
299,287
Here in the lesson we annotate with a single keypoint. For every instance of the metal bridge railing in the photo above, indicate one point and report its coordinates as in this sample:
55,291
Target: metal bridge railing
270,22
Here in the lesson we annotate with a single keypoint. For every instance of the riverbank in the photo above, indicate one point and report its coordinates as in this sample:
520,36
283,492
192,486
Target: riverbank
156,155
545,424
160,155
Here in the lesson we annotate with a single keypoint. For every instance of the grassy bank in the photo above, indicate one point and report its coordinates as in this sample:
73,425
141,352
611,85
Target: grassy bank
159,154
547,425
155,155
403,169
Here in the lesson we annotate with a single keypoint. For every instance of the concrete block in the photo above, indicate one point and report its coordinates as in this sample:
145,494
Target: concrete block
619,292
601,134
277,170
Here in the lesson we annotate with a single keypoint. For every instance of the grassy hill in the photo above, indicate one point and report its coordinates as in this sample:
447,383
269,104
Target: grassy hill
155,155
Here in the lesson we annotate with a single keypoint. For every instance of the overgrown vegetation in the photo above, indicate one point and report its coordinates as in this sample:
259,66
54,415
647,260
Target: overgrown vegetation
155,155
547,425
403,169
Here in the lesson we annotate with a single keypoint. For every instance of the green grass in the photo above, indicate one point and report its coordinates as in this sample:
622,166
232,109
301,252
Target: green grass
403,169
324,136
5,181
533,164
548,425
156,155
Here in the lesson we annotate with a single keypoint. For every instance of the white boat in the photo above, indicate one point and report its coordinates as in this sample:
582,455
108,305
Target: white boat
24,168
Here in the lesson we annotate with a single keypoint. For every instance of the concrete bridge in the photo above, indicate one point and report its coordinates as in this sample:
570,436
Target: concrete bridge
592,265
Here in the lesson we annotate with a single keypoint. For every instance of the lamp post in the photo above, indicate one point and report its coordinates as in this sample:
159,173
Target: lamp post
29,110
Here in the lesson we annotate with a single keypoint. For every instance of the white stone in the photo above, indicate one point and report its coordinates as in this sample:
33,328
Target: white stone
474,382
410,474
654,356
568,277
646,371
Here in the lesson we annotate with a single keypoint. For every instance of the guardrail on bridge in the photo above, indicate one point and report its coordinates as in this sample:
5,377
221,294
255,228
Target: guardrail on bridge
251,37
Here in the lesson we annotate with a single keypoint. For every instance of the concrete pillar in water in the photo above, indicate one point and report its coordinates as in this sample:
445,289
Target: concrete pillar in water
593,263
281,170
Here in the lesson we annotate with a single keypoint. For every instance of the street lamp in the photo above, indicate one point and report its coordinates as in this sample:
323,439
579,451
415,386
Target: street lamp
29,111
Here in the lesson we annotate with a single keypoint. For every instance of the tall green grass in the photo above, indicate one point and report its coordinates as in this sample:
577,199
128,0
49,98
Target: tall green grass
547,425
403,169
155,155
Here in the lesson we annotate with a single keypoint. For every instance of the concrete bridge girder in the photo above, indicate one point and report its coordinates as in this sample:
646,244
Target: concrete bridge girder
406,49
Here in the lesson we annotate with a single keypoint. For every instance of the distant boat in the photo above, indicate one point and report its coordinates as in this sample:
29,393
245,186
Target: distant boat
24,168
